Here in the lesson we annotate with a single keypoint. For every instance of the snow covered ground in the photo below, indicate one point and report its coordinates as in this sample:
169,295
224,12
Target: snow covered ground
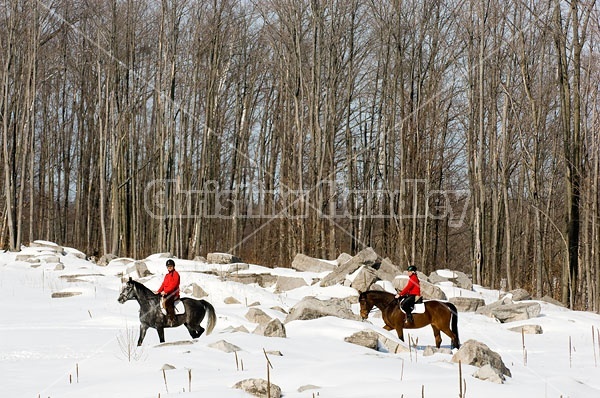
78,346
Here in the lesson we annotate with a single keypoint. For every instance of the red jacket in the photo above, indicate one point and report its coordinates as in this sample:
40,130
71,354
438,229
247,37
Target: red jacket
413,286
170,284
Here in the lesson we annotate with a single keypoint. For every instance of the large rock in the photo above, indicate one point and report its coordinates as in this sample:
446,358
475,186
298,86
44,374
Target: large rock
197,291
506,311
365,277
459,279
225,346
273,328
337,276
303,262
528,329
386,270
364,338
474,353
257,315
285,283
222,258
467,304
313,308
139,269
48,246
259,388
262,280
488,373
375,341
519,295
343,258
107,258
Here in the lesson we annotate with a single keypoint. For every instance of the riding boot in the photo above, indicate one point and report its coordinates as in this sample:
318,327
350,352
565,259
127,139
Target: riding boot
409,318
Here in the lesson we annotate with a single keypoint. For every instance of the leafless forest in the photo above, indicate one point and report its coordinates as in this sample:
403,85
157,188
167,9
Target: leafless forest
457,133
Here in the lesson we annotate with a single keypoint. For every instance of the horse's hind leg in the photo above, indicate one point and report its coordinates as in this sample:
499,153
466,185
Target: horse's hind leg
195,333
453,337
436,334
161,334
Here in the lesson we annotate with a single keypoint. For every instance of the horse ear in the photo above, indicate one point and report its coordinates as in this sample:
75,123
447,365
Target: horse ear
130,279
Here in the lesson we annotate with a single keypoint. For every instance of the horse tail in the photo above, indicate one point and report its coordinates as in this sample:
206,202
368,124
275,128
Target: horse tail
454,326
212,317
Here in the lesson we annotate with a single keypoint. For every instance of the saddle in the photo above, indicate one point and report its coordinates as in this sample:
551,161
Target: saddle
418,308
179,307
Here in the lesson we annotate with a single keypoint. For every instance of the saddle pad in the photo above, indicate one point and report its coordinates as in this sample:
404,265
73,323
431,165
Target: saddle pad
179,307
419,308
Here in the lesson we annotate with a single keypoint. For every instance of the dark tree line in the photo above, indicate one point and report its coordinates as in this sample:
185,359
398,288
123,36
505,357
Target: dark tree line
459,134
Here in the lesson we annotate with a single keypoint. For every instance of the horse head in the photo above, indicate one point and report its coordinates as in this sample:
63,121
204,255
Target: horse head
366,305
128,292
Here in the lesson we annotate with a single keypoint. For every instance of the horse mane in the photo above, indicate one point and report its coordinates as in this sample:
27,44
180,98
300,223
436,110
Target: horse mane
141,288
379,292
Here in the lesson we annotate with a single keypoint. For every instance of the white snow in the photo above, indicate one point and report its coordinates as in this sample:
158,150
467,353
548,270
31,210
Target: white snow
77,346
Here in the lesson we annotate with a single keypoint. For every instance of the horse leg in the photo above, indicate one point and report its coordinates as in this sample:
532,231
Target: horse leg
143,329
387,327
161,334
436,333
195,333
452,336
400,332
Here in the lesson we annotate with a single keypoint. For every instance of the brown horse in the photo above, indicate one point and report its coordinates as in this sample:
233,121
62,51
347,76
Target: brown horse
440,315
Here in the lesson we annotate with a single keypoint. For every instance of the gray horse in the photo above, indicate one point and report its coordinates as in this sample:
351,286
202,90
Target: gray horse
151,315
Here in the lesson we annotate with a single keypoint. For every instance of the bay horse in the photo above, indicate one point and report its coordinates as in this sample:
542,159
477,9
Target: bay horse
151,315
440,315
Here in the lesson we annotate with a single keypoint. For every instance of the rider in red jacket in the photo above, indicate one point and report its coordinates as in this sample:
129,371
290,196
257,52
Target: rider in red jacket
409,293
170,290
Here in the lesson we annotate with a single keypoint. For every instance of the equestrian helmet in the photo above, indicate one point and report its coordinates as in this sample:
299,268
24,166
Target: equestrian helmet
412,268
170,262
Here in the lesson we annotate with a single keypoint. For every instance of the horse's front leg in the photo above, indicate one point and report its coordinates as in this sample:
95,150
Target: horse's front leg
143,329
400,332
436,334
161,333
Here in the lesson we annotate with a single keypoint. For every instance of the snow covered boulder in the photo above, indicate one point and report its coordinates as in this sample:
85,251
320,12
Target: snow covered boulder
273,328
46,246
313,308
488,373
303,262
459,279
285,283
519,295
528,329
222,258
224,346
364,278
474,353
467,304
506,311
259,388
257,315
139,269
364,338
364,257
386,270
